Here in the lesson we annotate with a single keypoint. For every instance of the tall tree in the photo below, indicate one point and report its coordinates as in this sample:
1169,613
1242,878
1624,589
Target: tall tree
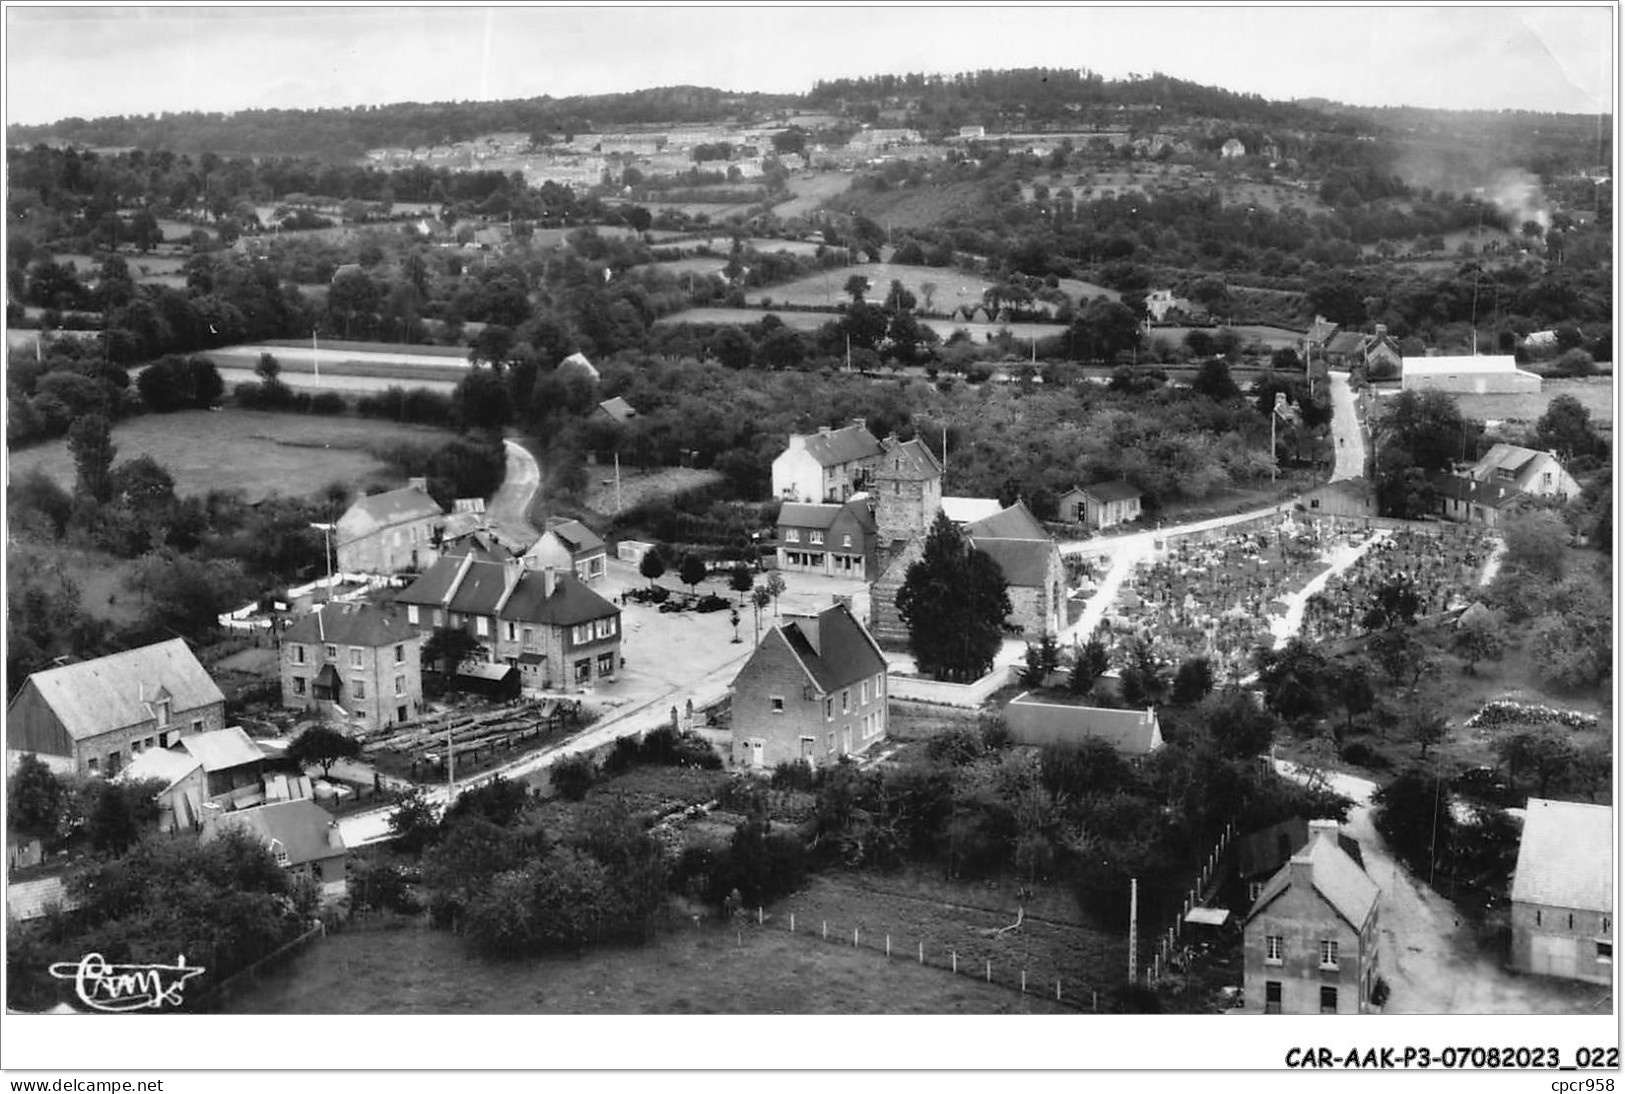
324,747
90,439
954,601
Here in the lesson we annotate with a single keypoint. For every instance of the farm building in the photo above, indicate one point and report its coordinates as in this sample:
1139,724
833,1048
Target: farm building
1468,501
1377,352
1343,498
813,691
1467,375
1563,892
1031,563
617,410
1133,733
578,364
1310,940
90,718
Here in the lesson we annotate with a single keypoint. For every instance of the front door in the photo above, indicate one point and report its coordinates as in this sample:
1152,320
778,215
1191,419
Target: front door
1272,997
756,752
1551,955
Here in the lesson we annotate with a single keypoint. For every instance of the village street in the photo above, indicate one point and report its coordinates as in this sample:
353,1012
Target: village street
1348,438
509,505
1427,954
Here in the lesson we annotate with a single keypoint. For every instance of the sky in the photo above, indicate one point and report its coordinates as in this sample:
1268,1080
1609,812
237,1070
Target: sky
83,61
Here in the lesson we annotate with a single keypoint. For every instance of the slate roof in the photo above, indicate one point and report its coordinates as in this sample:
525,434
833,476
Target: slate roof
618,409
1320,330
168,765
301,826
1565,859
1475,491
438,580
576,536
838,446
1025,562
924,459
1339,880
1116,490
579,361
1013,522
1130,732
571,603
1345,341
389,508
92,697
350,624
800,514
835,649
1506,457
1260,852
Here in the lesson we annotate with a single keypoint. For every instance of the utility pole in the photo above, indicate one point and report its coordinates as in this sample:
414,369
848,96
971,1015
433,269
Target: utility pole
1133,925
327,552
315,356
451,771
617,480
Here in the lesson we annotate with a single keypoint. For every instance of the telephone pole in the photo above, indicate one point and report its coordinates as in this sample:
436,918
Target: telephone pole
1133,925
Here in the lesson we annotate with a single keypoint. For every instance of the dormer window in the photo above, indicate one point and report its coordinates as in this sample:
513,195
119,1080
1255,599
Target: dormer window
279,852
161,710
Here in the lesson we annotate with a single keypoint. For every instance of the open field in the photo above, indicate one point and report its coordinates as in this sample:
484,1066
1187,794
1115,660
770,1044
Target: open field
690,969
1272,337
954,287
716,213
638,487
1595,392
393,350
409,364
811,189
344,383
257,452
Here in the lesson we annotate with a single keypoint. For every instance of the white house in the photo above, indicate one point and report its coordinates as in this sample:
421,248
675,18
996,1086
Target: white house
1467,375
828,466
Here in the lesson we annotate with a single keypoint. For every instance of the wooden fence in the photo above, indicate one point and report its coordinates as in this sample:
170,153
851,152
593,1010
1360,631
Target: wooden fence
222,991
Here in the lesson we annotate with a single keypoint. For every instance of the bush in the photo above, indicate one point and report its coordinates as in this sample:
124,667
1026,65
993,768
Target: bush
995,733
573,776
381,886
1358,752
957,746
794,775
328,403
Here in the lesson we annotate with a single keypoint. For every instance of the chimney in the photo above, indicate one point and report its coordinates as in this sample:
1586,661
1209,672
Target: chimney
861,423
808,626
823,431
419,483
550,581
1321,829
512,570
1382,330
334,838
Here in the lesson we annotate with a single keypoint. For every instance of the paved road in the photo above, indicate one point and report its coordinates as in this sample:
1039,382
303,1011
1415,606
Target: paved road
510,504
1346,432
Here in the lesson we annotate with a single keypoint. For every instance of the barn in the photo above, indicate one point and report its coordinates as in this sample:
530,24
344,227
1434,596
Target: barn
1467,375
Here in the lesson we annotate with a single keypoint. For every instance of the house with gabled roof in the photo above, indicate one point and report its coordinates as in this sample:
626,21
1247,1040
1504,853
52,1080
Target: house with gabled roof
578,364
827,466
301,835
1102,505
213,773
1563,892
570,545
1536,473
389,532
617,410
813,691
1310,939
1320,332
1135,734
1467,375
356,665
91,717
1034,572
1468,501
1377,352
545,622
828,539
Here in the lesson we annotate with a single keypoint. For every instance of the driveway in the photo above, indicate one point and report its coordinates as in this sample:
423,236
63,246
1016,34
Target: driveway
1427,953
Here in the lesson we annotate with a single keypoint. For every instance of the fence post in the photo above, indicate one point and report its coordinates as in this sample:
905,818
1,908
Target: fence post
792,923
954,954
758,915
990,972
854,937
922,953
1024,981
826,930
888,947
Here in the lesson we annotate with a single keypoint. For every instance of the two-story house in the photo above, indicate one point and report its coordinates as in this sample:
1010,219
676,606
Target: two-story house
828,539
1377,352
89,718
813,691
358,665
1563,892
547,622
389,532
1310,939
828,466
570,545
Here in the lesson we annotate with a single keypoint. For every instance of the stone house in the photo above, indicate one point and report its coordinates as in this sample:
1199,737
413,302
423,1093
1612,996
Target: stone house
357,665
389,532
1563,892
828,466
1378,352
1310,940
558,632
569,545
1034,572
813,691
91,717
1538,474
828,539
1468,501
301,835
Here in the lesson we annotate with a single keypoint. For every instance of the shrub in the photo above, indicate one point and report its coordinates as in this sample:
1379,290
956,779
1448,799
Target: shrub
957,746
1358,752
995,733
574,775
327,402
793,775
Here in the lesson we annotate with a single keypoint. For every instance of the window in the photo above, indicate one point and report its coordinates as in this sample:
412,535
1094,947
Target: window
863,693
91,765
604,628
197,725
777,704
163,740
358,687
400,686
829,708
1537,917
412,614
1255,889
279,852
298,654
1328,954
400,654
298,685
1571,921
161,708
584,671
1607,924
1273,945
510,632
1272,997
792,535
581,634
606,664
1605,952
846,700
116,761
481,627
330,652
815,538
880,679
1328,1000
355,657
846,541
439,617
528,635
830,742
